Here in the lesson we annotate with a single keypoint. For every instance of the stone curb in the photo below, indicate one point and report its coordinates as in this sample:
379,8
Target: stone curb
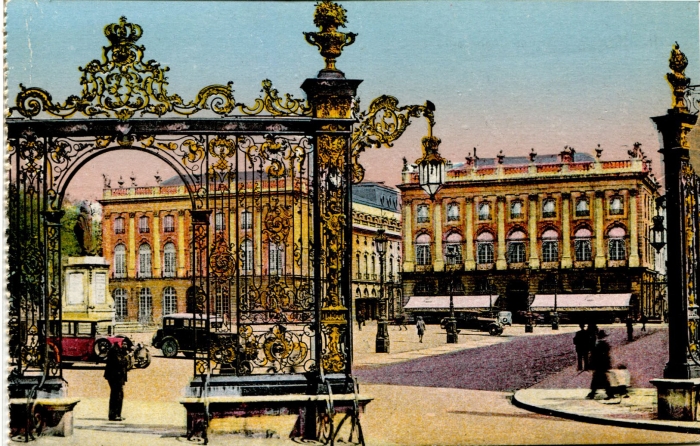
636,424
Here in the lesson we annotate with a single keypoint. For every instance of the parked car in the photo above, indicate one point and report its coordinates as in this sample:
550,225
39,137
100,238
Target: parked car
482,322
89,340
179,332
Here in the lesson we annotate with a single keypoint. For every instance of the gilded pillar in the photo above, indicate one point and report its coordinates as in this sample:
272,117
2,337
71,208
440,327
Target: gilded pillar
257,240
408,253
599,228
532,229
181,246
131,237
566,260
469,263
633,225
501,222
438,262
156,244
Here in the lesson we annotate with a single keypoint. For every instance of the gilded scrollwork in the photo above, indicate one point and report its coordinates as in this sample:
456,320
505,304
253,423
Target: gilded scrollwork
272,103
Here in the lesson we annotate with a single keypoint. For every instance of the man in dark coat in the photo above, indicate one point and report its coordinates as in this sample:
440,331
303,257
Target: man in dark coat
630,329
582,344
601,364
115,374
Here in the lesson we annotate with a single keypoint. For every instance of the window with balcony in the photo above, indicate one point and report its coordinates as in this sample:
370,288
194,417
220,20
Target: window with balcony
453,212
143,225
276,259
246,220
549,209
616,244
169,301
144,269
247,255
168,223
484,211
422,214
616,205
582,245
169,260
582,209
453,249
550,246
516,247
516,209
484,248
119,225
423,250
120,261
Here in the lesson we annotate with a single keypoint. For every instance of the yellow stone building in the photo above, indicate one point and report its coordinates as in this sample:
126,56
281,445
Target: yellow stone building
146,239
523,228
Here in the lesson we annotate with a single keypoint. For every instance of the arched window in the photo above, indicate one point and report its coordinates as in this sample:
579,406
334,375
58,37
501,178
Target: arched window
246,220
169,260
484,248
453,249
121,312
119,225
582,244
423,250
453,212
616,205
374,266
582,209
169,301
616,244
144,260
145,306
276,259
143,225
484,210
391,266
366,266
247,255
516,247
120,261
549,208
358,294
219,221
550,246
516,209
422,214
168,223
359,269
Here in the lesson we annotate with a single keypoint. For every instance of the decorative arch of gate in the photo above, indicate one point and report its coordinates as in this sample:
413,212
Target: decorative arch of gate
289,163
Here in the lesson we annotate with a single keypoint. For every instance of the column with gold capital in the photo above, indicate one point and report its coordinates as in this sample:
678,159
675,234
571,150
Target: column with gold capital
332,97
469,263
599,228
408,254
131,239
438,262
532,229
566,260
501,222
634,234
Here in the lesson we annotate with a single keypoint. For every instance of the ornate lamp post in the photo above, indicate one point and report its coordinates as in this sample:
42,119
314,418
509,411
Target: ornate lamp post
451,323
657,233
382,341
431,167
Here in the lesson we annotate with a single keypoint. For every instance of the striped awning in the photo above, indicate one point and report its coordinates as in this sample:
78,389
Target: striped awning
582,302
442,303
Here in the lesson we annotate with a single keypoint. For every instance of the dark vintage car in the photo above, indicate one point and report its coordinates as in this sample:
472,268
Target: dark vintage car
482,322
89,340
181,331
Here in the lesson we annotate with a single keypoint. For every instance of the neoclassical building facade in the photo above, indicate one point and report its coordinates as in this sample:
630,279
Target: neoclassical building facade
515,227
147,239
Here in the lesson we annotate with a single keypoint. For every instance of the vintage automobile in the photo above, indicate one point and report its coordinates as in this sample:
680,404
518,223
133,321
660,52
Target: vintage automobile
89,339
482,322
180,332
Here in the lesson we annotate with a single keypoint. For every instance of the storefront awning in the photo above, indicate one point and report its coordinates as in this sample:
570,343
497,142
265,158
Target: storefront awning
442,303
582,302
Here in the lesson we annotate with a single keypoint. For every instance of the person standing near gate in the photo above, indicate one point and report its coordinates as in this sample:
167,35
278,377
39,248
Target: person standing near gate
601,363
630,329
115,374
420,327
644,319
582,344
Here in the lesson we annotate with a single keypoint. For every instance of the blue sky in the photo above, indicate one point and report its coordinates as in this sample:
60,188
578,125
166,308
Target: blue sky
503,75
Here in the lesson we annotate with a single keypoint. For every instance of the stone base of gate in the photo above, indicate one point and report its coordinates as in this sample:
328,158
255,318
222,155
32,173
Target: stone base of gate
230,397
48,413
677,399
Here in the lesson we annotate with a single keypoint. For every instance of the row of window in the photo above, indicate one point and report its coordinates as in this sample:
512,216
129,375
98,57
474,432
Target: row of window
549,209
516,247
169,223
370,262
145,302
276,256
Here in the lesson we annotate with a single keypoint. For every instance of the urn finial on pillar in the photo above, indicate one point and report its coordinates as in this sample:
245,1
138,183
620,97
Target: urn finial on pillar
677,79
330,16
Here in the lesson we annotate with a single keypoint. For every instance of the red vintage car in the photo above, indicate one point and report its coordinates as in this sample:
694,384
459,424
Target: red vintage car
89,340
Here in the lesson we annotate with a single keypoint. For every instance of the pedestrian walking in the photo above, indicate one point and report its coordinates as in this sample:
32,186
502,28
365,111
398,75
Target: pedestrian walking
644,319
582,345
360,320
601,363
115,373
401,321
420,327
630,329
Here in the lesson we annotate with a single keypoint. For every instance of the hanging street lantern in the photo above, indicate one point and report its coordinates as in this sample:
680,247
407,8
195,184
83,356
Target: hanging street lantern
657,233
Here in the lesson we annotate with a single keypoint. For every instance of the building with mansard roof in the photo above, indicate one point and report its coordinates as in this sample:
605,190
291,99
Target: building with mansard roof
566,232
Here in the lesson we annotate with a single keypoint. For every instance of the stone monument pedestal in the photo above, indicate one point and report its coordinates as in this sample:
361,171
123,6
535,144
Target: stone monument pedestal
87,288
677,399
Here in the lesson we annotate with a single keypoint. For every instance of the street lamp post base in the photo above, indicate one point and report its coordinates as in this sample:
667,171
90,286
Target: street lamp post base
382,345
528,328
452,338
